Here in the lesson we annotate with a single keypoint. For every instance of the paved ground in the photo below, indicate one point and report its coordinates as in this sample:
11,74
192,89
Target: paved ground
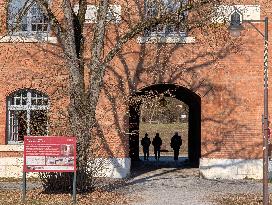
167,183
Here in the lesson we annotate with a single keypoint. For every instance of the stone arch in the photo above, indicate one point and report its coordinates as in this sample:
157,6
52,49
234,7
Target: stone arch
181,93
15,89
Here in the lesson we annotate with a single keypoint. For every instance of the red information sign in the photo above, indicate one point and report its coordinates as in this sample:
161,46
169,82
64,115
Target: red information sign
49,154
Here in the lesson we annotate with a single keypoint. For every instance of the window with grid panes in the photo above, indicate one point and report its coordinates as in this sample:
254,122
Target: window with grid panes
155,8
26,17
27,115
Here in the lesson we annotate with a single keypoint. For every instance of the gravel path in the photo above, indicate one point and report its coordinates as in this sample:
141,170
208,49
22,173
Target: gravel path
182,186
18,185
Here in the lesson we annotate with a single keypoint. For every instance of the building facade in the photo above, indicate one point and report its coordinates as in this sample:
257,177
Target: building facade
219,77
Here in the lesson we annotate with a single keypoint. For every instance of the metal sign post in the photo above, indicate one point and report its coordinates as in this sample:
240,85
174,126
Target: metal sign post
24,187
74,188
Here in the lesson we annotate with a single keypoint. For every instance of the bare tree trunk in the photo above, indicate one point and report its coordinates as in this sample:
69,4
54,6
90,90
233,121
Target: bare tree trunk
79,112
81,115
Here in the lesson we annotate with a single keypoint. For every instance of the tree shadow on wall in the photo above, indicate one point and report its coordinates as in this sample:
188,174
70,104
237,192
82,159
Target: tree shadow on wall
197,68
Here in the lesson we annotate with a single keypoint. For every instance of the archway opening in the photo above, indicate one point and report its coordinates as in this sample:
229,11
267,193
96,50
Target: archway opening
185,118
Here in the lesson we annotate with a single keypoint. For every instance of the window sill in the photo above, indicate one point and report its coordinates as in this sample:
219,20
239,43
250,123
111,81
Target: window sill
28,39
169,39
12,148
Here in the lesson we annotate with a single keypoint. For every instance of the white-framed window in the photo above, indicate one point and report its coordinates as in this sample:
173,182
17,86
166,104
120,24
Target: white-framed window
26,115
113,14
154,8
25,17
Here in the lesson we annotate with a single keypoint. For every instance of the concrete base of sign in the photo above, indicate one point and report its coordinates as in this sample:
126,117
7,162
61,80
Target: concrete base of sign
232,168
12,167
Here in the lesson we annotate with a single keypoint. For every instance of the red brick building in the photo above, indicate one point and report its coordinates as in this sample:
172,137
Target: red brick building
220,78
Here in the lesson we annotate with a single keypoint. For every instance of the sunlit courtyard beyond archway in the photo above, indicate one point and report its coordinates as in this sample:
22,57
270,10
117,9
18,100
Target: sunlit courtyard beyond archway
165,116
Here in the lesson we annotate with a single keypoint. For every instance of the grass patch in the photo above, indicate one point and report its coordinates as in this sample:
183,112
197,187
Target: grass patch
166,131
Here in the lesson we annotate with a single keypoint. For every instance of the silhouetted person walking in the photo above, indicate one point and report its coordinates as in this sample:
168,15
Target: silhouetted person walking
145,142
157,142
176,142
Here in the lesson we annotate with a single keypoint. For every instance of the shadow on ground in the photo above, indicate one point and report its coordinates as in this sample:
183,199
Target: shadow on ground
141,166
143,171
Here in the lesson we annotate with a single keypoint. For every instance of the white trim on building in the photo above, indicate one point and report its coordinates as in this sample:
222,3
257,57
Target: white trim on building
231,168
28,39
166,39
12,167
249,12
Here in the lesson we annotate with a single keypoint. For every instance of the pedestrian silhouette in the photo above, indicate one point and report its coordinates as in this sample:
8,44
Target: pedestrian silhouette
176,142
145,142
157,142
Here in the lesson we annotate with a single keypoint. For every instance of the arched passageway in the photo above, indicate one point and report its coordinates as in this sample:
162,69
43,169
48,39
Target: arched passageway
194,119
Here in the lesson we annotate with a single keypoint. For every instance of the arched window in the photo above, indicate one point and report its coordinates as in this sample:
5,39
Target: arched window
27,115
26,17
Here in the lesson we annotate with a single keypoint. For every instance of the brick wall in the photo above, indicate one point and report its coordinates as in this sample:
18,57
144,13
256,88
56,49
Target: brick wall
226,73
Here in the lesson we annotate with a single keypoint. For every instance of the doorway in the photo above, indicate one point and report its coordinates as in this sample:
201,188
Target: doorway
168,97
